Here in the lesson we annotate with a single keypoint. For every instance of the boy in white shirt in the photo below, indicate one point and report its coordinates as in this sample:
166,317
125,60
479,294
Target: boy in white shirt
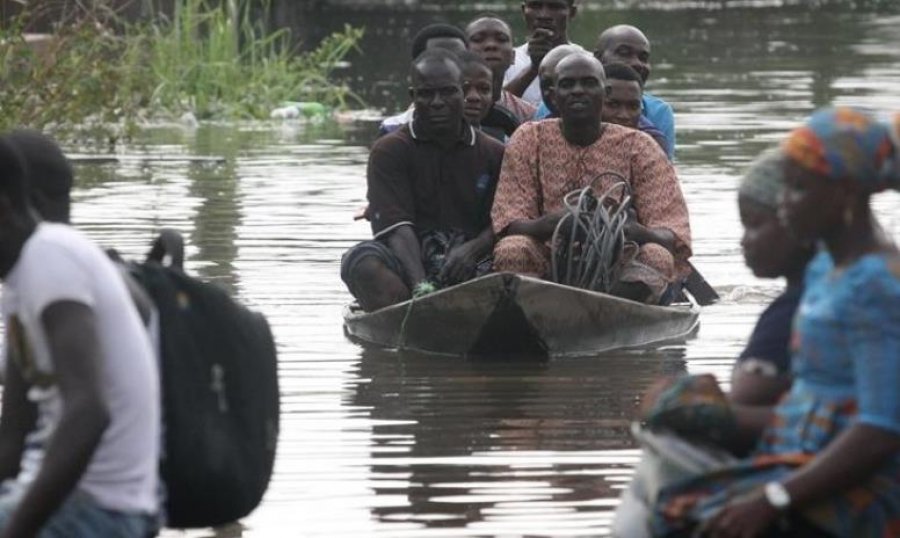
547,25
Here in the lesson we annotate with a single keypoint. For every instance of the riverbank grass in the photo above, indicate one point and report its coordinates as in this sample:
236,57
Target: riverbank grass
214,60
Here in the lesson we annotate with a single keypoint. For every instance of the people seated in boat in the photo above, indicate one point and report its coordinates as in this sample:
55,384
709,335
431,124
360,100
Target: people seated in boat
546,80
827,457
491,38
430,188
433,36
480,110
547,160
547,26
623,101
628,45
761,374
444,36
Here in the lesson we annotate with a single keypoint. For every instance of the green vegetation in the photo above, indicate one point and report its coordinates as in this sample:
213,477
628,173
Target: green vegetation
213,59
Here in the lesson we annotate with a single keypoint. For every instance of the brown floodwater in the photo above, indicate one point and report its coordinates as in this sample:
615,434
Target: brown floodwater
380,443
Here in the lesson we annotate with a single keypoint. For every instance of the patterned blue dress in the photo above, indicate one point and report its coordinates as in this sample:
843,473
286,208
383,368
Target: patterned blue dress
846,366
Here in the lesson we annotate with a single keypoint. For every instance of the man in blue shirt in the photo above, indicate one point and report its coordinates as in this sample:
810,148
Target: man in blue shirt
623,102
628,45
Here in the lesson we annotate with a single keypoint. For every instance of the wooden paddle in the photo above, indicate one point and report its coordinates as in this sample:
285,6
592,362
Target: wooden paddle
697,286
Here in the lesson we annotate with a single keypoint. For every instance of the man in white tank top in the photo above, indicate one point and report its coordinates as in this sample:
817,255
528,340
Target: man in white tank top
80,368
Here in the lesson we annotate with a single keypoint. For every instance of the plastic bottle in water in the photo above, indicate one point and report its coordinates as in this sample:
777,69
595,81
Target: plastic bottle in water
296,109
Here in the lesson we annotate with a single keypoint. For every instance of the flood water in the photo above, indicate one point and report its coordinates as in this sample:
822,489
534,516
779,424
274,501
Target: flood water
377,443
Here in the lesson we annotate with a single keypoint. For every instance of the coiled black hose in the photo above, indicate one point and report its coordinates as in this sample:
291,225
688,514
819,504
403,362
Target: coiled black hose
588,245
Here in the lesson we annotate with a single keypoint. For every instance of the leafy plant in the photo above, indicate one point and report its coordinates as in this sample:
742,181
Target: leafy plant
214,59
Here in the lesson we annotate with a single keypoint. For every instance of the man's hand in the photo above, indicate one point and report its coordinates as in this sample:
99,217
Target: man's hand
746,517
459,264
640,234
539,44
635,231
541,228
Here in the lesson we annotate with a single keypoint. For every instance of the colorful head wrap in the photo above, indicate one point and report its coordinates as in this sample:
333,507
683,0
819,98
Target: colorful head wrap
845,143
764,179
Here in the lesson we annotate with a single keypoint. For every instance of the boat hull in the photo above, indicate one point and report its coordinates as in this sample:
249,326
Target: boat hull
504,313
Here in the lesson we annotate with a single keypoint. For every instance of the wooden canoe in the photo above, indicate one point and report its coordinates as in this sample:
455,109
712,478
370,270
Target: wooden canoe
505,313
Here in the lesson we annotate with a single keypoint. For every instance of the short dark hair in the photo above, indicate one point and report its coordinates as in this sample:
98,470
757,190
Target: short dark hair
420,41
606,36
620,71
489,15
468,58
433,55
12,174
48,174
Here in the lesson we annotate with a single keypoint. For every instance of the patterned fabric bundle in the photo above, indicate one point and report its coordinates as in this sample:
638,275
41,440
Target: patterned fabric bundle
694,407
764,179
682,427
845,143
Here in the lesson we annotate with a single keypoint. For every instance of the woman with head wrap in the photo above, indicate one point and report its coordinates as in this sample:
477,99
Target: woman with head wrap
762,372
826,460
694,407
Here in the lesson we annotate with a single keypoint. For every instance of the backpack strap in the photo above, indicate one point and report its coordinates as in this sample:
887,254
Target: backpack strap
168,243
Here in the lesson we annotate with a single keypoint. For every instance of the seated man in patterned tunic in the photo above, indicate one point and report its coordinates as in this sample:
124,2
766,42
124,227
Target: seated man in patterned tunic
546,160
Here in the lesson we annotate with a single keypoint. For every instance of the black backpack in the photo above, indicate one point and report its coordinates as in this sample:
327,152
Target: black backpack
219,384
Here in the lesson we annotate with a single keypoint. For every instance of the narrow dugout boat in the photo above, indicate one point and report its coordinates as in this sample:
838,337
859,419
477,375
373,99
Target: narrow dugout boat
505,313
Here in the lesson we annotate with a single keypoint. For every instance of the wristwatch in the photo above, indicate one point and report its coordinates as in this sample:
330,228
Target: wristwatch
777,495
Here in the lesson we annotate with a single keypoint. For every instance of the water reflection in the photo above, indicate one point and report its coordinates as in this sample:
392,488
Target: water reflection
479,443
218,213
